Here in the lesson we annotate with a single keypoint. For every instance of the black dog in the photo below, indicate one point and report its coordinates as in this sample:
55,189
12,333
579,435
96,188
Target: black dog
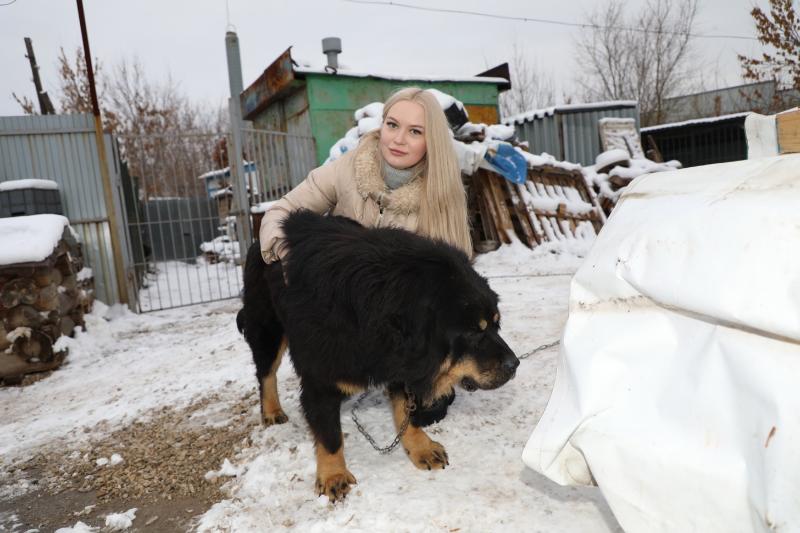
370,307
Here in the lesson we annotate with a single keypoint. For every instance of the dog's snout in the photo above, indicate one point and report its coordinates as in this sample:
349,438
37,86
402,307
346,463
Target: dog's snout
510,364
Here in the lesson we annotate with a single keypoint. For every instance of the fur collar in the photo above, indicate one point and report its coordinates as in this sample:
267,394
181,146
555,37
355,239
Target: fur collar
369,180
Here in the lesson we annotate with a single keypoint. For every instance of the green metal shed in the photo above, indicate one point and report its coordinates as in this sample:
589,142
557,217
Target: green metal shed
320,103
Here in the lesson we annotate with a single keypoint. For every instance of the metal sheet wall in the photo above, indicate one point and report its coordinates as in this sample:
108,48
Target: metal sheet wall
570,135
62,148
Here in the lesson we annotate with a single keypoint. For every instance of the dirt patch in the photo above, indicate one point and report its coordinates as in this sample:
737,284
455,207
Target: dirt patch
165,456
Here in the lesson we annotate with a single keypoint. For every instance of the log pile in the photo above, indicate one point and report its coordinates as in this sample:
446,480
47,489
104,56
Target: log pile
554,204
40,302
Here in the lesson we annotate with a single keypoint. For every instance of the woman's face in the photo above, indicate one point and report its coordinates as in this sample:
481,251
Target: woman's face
403,135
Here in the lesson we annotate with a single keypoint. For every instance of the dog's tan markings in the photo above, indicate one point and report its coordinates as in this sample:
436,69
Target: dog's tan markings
496,318
426,454
349,388
450,374
483,324
333,477
271,411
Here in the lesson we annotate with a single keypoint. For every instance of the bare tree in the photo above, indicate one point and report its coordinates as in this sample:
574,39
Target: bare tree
644,57
166,139
779,32
531,88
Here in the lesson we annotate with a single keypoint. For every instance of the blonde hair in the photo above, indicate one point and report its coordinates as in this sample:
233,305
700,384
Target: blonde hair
443,202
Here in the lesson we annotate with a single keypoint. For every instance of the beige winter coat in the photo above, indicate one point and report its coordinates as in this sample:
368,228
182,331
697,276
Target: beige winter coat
351,186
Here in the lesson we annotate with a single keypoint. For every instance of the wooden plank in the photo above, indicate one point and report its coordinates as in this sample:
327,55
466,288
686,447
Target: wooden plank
789,132
485,192
522,214
506,224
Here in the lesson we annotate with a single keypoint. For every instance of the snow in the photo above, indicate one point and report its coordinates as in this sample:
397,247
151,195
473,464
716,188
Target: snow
445,100
133,364
611,156
709,120
527,116
30,239
121,521
226,470
222,246
13,185
177,283
79,527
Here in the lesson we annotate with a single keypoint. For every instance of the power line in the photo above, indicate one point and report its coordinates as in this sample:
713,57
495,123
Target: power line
544,21
8,3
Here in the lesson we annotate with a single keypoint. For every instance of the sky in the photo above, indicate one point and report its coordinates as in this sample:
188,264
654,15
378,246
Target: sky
186,39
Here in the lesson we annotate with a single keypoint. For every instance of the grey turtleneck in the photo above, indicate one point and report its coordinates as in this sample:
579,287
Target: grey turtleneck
397,177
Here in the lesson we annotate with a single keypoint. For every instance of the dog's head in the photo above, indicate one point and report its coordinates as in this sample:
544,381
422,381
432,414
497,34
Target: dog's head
477,357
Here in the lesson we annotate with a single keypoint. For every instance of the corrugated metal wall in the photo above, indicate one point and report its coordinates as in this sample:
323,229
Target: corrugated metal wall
62,148
571,134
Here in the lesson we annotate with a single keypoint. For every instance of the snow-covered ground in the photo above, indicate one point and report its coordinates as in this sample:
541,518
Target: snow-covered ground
177,283
126,365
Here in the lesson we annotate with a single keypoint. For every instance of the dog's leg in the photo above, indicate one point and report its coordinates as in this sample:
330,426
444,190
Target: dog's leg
322,407
268,345
271,411
424,452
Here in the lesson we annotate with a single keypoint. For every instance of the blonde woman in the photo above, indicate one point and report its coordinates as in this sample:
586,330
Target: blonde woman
404,175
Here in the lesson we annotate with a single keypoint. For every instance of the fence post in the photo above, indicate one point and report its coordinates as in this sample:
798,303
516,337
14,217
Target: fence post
241,201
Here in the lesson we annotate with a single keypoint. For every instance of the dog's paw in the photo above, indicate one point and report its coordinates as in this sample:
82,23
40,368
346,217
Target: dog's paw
335,486
277,417
429,457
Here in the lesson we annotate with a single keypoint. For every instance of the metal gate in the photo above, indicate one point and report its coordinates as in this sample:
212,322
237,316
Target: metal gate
179,198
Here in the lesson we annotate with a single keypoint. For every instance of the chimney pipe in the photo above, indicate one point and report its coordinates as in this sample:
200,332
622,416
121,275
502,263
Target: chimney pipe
332,47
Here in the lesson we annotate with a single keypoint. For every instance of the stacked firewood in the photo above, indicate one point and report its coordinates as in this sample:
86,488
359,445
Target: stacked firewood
553,204
40,302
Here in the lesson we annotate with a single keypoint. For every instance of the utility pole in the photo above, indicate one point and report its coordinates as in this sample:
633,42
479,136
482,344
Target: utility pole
45,105
241,198
113,223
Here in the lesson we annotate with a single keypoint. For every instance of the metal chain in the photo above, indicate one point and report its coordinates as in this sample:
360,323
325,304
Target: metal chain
539,349
409,407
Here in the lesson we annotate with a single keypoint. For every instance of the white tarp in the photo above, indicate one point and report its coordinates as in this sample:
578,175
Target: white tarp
677,389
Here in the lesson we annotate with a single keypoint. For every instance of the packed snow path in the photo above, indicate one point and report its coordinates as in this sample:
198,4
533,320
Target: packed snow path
126,366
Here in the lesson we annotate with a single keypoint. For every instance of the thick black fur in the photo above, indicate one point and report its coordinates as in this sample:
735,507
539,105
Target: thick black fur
370,307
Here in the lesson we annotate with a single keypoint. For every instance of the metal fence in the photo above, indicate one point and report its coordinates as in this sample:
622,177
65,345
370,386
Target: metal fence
183,246
282,161
183,232
700,142
569,132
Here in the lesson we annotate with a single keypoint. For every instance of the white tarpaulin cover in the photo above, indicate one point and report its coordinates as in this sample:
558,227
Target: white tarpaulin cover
678,386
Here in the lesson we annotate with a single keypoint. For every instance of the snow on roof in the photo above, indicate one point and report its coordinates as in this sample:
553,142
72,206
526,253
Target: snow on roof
419,77
28,184
549,111
30,239
694,121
